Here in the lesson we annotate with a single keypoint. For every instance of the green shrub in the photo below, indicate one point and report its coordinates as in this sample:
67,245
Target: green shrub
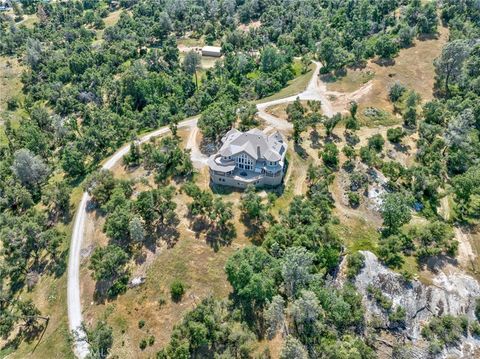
477,308
395,135
141,323
355,263
177,289
382,300
396,91
143,344
12,104
118,287
447,329
151,340
398,317
330,155
353,199
367,156
475,329
376,142
349,151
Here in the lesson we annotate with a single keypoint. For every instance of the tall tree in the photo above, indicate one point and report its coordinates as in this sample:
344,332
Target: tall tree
191,63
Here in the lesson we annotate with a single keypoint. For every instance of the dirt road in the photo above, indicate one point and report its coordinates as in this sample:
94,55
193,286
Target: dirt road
316,90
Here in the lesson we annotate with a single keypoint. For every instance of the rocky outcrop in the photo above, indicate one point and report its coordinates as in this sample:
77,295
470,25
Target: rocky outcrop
453,294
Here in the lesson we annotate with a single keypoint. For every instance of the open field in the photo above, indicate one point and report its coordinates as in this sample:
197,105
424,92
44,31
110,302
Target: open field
188,42
413,67
111,19
10,80
29,20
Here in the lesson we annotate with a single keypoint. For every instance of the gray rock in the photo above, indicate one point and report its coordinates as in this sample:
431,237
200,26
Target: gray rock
453,294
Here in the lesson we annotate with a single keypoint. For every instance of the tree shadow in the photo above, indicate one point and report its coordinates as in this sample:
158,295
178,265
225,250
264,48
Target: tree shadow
169,234
26,333
31,332
328,78
12,344
93,207
300,151
315,139
100,291
400,147
255,231
198,225
384,62
340,72
221,236
332,138
351,138
427,37
435,263
224,190
207,147
359,65
58,265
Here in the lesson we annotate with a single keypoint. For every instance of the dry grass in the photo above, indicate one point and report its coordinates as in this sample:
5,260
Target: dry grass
190,42
10,80
50,297
413,68
111,20
193,260
280,110
295,86
352,81
249,26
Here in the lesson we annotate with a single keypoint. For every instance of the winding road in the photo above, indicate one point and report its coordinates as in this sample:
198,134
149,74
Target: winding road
315,90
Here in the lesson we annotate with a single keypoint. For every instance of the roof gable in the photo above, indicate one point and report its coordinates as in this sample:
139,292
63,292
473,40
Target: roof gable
255,143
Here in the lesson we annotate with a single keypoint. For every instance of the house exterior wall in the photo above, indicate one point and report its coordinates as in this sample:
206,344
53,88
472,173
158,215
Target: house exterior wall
251,158
211,53
244,161
262,180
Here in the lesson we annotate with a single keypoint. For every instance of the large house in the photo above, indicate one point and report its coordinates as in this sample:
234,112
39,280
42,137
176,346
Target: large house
249,158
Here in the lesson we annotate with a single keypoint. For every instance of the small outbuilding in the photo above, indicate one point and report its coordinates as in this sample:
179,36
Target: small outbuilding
212,51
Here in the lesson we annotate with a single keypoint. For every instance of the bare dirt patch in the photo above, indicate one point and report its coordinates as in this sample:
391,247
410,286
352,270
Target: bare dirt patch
250,25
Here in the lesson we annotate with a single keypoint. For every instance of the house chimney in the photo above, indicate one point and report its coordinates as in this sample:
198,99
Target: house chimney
258,151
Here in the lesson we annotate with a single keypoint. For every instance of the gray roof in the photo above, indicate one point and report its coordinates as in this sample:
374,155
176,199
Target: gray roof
216,163
255,143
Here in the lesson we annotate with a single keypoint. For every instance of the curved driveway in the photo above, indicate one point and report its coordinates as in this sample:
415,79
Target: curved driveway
315,90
